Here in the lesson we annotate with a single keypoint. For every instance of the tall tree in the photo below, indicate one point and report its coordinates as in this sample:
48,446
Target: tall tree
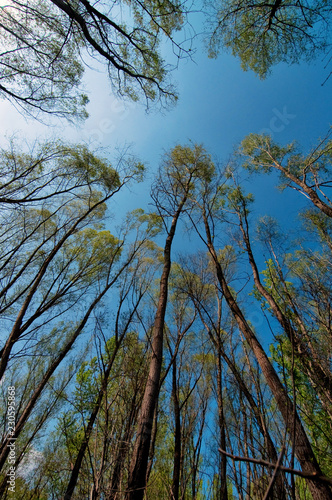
56,255
200,283
284,303
49,251
208,206
135,287
177,177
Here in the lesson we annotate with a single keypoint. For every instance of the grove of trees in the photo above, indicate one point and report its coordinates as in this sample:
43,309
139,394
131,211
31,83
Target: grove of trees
128,373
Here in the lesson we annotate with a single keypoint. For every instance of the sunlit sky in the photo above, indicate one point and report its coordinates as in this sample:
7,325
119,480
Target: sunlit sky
218,105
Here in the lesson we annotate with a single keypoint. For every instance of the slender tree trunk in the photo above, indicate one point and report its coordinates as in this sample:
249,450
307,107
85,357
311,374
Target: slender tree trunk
177,436
197,450
103,388
223,495
309,191
302,446
114,486
321,378
18,329
4,450
87,433
139,462
153,442
279,488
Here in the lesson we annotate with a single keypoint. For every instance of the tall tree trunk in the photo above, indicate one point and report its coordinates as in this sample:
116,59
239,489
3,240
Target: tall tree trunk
280,491
303,349
19,327
19,426
87,432
302,446
139,462
153,441
177,436
114,485
102,391
222,495
279,487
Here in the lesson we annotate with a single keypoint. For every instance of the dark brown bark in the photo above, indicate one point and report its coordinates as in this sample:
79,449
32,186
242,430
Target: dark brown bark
177,436
301,444
296,472
321,378
222,494
138,466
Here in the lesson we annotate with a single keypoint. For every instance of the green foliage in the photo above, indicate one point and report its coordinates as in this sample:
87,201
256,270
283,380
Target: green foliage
114,427
259,153
262,153
185,172
238,201
268,229
40,67
43,45
92,169
138,171
189,160
315,222
82,260
53,169
60,195
263,34
278,289
92,251
151,221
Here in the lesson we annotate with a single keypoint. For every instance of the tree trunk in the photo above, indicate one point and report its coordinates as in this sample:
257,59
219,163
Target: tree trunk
87,433
279,487
302,447
114,485
223,495
321,378
153,442
177,436
139,462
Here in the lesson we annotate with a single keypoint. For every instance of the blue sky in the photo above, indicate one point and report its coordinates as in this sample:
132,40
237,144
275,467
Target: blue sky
218,105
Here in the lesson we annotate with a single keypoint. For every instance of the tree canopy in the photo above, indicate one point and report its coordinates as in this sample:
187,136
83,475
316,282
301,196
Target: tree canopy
265,33
45,45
